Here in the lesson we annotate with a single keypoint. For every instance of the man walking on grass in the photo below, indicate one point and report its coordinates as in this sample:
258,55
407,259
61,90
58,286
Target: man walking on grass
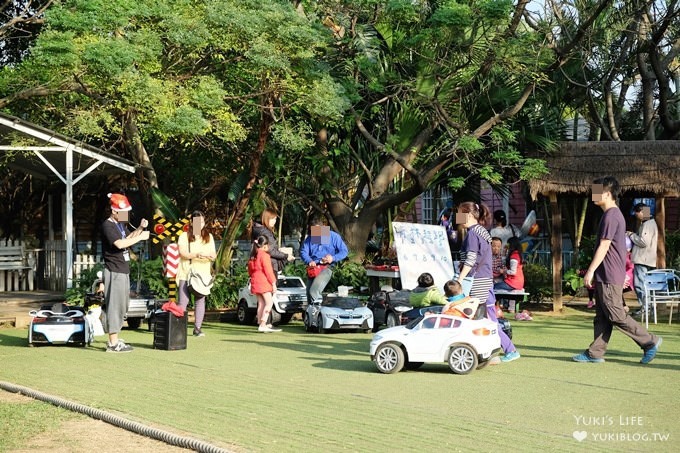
608,269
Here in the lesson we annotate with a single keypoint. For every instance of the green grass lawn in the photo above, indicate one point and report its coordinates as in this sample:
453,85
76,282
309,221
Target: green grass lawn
292,390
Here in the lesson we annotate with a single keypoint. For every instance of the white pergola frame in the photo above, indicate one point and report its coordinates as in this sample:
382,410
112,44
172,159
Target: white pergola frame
55,143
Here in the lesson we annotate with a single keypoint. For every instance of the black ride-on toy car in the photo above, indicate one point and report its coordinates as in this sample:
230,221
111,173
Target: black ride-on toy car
388,307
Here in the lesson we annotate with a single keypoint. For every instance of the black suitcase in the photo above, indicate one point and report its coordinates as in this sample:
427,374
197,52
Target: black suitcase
169,332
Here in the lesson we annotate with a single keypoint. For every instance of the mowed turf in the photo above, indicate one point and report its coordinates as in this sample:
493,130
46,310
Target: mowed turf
288,391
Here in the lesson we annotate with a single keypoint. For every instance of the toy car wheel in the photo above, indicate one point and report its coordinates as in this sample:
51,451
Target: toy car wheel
462,359
134,323
285,318
412,366
243,314
392,320
319,325
389,358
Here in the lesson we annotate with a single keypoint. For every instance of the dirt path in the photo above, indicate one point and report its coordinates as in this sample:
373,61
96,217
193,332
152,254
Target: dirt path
87,435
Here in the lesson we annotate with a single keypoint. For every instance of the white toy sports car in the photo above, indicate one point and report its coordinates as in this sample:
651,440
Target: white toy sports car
465,344
338,313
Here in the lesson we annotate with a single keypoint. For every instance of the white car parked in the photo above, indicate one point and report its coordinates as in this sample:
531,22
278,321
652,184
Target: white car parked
290,298
465,344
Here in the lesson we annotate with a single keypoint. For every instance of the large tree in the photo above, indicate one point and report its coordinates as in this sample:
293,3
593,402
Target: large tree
450,89
194,88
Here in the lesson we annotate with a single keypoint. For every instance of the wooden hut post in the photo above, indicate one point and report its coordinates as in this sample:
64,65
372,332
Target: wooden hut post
660,218
556,248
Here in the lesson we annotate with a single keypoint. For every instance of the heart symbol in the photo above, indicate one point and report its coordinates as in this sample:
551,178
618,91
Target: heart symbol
580,435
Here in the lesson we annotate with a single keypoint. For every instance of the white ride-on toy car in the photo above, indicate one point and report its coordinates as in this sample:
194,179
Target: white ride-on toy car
465,344
290,298
67,325
338,313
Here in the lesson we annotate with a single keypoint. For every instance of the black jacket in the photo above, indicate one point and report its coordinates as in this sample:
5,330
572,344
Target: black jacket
279,259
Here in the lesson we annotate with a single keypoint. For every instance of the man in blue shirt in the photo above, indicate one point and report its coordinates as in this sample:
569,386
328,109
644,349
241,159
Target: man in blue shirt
320,251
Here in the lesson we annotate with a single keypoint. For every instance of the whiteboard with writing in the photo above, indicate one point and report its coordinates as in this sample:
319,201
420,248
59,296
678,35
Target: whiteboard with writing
422,248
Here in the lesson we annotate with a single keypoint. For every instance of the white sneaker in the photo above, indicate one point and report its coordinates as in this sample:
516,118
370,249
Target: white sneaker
119,347
267,329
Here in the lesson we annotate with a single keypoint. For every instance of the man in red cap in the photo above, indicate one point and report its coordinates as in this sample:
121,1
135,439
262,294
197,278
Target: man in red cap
116,242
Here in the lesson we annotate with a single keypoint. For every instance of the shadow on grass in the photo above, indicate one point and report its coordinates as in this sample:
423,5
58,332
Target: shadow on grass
613,356
349,346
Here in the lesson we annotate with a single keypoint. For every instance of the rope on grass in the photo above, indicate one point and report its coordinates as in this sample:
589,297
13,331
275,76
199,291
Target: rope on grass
135,427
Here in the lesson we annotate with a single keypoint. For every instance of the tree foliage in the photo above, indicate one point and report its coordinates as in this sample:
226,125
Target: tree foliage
348,107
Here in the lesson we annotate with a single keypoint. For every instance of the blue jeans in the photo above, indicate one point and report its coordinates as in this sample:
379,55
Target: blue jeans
316,285
639,272
503,286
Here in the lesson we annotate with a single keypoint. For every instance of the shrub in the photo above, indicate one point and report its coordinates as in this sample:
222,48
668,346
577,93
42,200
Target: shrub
295,268
673,249
224,293
82,285
348,273
152,275
586,252
572,281
537,281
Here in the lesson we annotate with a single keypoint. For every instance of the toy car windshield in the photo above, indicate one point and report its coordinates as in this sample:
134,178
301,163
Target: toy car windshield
289,283
345,303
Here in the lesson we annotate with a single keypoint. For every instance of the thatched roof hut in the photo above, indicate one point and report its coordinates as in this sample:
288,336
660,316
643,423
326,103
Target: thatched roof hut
644,167
647,166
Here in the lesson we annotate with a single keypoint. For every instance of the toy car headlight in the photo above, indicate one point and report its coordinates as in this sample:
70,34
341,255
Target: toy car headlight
283,305
332,315
401,309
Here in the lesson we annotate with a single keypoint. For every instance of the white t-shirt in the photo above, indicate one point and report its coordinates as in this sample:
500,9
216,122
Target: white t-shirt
505,233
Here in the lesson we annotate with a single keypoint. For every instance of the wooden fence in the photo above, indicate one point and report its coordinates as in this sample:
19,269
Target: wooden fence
54,273
19,279
46,268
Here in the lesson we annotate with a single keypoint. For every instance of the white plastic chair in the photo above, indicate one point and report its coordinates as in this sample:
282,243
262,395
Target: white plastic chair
662,286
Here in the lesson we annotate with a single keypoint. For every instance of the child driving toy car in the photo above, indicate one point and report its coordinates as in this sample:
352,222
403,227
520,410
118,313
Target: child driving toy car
458,303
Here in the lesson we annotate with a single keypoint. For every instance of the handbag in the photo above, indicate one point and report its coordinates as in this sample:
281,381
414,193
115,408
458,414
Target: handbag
313,272
199,284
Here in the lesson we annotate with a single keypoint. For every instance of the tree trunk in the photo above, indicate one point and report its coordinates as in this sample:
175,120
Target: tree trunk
148,178
238,213
556,248
647,79
660,219
134,144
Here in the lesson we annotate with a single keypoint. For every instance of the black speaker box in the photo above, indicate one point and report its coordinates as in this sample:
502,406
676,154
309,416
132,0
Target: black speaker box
170,332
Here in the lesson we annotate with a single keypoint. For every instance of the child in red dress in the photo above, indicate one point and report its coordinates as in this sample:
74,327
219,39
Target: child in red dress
262,282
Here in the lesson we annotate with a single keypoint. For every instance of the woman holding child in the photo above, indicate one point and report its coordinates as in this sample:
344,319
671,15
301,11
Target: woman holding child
476,263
